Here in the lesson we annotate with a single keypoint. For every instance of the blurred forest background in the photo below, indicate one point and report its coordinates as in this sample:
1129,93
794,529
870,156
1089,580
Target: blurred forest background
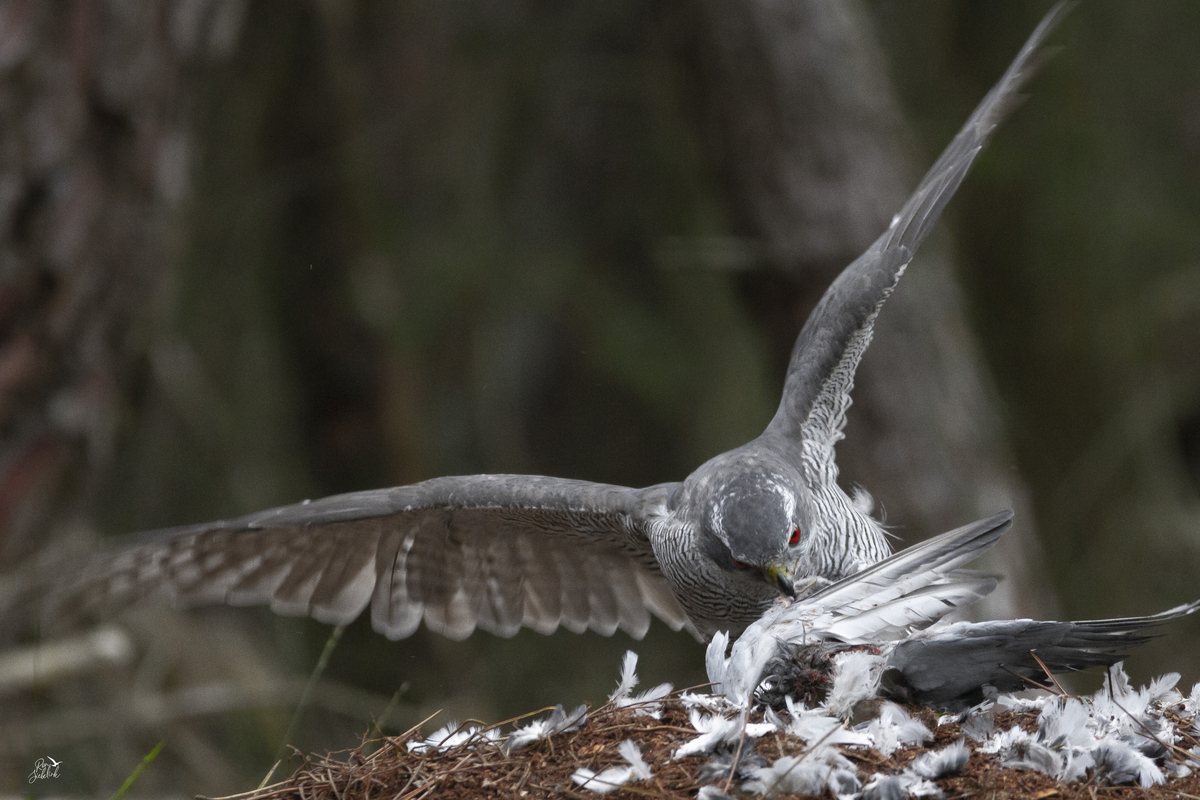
254,252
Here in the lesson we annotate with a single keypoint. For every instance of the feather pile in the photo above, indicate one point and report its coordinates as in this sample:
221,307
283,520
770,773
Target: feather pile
1118,736
826,669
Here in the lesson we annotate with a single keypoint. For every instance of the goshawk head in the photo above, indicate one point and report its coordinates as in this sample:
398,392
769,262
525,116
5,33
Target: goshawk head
757,522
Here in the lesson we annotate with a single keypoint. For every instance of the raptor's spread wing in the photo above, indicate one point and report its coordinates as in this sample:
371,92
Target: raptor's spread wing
496,552
816,393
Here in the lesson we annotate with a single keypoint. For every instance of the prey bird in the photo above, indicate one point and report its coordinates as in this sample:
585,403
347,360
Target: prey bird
891,619
499,552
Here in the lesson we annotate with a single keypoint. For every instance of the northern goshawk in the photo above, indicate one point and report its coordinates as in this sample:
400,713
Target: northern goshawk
499,552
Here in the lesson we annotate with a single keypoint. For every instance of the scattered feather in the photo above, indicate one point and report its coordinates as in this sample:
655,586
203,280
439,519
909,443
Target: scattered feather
1019,704
713,728
894,728
884,787
1029,754
923,788
1064,722
979,726
636,769
721,765
454,735
708,702
806,774
558,722
1000,741
950,760
717,729
628,679
816,728
856,676
1191,703
648,702
1119,763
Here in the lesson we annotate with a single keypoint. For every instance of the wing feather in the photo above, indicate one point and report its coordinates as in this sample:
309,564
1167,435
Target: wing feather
914,611
827,352
951,663
491,552
543,602
926,563
601,599
632,615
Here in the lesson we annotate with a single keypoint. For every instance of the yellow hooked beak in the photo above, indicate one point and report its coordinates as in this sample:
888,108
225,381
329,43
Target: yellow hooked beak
780,574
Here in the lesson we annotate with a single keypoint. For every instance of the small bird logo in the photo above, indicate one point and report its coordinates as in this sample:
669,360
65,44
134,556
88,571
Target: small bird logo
45,767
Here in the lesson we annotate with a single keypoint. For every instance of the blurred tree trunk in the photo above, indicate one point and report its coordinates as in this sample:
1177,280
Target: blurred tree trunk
94,163
97,147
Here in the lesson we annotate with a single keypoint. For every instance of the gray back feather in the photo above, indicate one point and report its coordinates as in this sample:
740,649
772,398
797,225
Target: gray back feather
950,665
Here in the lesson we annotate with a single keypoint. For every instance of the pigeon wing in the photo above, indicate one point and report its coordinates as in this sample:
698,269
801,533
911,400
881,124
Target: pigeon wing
496,552
913,588
816,392
949,665
927,563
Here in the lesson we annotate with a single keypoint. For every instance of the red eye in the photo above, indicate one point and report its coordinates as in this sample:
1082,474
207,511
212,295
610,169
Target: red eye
795,537
740,564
